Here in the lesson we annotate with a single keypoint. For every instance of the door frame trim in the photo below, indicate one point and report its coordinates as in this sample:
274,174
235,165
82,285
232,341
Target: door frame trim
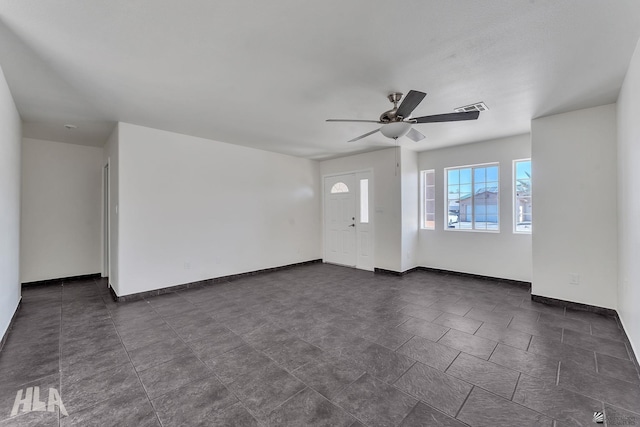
106,220
371,212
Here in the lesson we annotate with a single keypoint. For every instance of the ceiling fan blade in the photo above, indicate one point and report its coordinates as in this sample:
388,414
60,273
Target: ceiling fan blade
449,117
364,136
415,136
410,102
354,121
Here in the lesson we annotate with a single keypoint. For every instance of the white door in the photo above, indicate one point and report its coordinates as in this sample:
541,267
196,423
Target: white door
340,219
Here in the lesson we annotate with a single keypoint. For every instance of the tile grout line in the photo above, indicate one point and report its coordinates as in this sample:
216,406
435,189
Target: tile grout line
595,359
454,359
516,387
109,319
344,388
398,348
510,321
558,372
292,396
464,402
133,366
517,403
197,357
409,413
519,376
400,376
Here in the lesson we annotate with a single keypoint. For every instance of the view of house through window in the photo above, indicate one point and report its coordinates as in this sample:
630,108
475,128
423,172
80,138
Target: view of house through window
473,198
428,199
522,214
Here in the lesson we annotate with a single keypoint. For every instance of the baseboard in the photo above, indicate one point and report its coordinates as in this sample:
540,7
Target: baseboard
61,279
574,305
393,272
229,278
520,283
11,322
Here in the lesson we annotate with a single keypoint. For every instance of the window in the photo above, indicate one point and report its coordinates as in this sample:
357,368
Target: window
364,201
522,214
339,187
428,196
473,198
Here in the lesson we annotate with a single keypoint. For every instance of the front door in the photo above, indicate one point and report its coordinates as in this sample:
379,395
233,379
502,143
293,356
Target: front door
340,219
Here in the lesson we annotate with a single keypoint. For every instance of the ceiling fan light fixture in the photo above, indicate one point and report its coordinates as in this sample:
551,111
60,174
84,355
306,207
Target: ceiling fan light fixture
395,130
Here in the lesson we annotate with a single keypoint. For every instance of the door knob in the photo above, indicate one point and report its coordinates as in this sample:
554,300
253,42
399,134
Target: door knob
352,225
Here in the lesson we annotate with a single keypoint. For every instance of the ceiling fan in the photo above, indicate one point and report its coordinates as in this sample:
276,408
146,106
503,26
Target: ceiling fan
398,122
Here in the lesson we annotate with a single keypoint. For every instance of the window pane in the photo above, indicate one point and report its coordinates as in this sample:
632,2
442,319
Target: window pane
430,193
492,173
466,214
364,201
492,211
431,206
523,169
339,187
480,208
453,177
522,201
428,202
472,198
465,176
430,177
492,226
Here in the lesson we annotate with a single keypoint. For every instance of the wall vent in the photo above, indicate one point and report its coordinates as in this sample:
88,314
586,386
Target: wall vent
478,106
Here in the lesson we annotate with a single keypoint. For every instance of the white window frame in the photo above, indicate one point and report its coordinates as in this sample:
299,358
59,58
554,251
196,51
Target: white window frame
515,198
423,199
473,220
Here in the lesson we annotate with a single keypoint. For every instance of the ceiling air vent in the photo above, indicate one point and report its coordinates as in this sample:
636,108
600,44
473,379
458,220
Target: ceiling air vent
478,106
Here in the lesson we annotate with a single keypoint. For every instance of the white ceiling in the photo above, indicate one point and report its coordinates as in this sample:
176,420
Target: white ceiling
266,74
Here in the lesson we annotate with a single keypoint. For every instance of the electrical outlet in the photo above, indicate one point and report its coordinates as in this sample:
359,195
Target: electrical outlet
574,279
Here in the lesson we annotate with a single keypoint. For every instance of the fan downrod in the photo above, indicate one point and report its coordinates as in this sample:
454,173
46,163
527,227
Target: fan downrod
395,97
390,116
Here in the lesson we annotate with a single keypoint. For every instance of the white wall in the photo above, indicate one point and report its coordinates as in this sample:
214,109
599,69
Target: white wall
387,200
111,156
61,202
193,209
574,193
10,138
504,254
628,112
410,208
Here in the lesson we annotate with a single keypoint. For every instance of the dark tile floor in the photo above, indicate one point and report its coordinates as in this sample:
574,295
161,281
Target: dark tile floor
314,345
